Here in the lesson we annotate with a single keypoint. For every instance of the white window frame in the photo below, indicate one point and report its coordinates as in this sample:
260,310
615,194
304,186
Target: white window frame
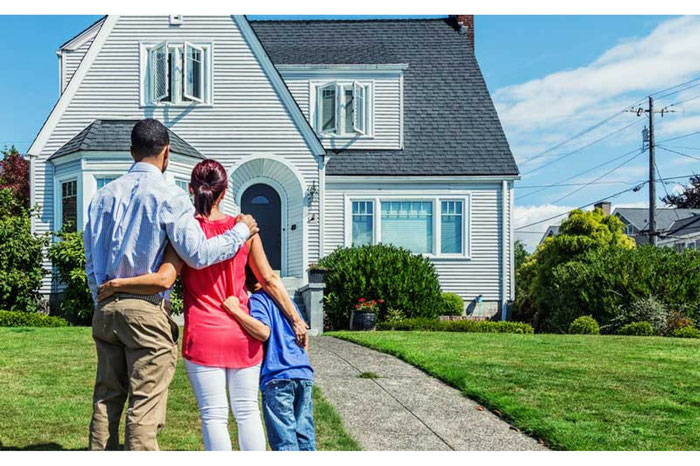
365,130
98,176
176,79
437,217
185,68
58,199
374,218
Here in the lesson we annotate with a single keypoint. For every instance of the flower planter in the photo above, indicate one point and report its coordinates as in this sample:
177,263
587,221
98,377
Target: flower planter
316,275
362,320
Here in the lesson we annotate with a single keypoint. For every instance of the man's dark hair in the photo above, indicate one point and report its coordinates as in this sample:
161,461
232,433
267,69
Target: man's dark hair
148,138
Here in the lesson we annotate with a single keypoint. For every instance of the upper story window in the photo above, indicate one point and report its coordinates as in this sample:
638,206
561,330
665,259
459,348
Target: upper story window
342,108
176,74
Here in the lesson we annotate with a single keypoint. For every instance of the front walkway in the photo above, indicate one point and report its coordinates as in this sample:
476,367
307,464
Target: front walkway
404,409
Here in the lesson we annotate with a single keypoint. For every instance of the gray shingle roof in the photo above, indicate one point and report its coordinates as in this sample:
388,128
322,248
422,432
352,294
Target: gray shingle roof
685,226
639,216
450,123
115,135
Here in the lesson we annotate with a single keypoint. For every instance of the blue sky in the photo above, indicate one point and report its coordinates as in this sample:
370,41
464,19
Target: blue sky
550,76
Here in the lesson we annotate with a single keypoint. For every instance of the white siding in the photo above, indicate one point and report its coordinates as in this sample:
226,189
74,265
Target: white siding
387,110
247,117
481,274
71,61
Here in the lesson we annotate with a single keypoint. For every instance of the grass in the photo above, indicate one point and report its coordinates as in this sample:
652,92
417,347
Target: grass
368,375
46,380
576,392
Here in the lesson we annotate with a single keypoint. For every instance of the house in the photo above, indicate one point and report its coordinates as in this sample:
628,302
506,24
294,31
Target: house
636,220
333,133
683,233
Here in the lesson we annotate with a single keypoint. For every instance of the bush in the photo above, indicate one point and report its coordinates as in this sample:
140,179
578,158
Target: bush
685,332
473,326
677,320
403,280
638,329
394,315
21,255
29,319
453,305
646,309
68,257
584,325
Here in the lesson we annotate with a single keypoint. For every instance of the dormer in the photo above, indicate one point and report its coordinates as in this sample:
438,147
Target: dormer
350,106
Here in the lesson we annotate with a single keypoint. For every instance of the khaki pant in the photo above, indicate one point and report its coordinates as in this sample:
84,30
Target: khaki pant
136,355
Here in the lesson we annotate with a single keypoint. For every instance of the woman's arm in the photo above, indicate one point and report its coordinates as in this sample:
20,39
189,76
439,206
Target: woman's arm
272,284
150,283
253,326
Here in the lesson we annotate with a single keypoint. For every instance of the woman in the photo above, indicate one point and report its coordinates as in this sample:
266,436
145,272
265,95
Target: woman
217,351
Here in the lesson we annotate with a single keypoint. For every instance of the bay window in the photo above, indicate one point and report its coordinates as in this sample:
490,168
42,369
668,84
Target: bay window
342,108
103,181
431,225
176,74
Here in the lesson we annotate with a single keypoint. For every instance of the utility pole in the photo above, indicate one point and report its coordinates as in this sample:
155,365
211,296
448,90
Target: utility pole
652,176
648,139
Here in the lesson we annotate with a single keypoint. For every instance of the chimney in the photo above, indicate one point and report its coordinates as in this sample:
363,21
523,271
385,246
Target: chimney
466,24
605,206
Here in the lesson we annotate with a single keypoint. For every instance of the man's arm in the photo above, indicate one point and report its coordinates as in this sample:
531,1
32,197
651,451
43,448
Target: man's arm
189,241
89,266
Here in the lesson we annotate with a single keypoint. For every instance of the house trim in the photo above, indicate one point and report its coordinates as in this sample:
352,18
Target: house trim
279,85
401,179
323,69
504,247
88,33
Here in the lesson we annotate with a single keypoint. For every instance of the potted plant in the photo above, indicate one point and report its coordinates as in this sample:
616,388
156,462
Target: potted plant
316,273
364,315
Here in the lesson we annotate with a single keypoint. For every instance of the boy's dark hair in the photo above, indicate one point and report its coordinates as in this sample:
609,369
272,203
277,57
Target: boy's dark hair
251,281
148,138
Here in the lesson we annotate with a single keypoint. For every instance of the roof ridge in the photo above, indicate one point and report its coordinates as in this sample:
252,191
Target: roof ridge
347,20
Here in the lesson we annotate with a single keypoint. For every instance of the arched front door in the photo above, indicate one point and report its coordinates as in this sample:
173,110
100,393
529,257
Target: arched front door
262,202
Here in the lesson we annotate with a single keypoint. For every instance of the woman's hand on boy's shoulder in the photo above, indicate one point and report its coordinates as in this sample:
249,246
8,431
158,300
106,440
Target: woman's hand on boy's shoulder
232,305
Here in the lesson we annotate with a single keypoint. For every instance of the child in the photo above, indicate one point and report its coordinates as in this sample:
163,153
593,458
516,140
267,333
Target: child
286,378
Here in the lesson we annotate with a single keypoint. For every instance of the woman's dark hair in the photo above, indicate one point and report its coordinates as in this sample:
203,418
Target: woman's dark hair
208,181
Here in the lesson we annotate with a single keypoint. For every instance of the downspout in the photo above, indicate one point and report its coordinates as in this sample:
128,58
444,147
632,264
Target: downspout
504,247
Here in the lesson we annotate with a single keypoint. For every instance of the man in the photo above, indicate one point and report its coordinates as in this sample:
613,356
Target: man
130,223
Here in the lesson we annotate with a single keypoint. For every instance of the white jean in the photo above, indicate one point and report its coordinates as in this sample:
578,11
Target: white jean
209,385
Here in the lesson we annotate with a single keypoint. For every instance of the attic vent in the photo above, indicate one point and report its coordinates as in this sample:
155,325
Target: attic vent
175,20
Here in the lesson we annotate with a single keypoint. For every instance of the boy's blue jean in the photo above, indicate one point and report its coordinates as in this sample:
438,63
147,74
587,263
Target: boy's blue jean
289,415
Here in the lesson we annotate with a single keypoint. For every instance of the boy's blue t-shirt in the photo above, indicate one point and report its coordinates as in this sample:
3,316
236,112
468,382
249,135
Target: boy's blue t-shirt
284,358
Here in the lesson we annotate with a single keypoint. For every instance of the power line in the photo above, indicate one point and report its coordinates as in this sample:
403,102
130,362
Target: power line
656,166
677,91
597,179
575,151
568,184
697,96
679,153
673,87
582,173
678,137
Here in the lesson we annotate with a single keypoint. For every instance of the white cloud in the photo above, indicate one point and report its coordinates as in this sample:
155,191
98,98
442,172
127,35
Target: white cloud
526,215
563,103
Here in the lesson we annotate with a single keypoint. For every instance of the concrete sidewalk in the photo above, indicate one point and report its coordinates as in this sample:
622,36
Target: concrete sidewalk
404,409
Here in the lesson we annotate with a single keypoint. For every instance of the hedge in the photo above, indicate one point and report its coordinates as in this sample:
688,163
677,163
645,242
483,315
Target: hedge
584,325
472,326
30,319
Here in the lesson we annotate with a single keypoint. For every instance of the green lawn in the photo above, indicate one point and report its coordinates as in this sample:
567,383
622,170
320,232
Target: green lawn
46,379
575,392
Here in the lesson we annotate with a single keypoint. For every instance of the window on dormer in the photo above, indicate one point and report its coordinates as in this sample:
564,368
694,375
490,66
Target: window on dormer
342,109
177,74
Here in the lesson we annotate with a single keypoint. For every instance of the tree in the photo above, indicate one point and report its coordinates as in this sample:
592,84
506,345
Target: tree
689,198
520,253
580,233
20,256
14,174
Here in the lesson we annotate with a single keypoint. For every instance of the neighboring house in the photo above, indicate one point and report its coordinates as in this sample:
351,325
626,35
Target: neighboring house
636,220
333,133
683,234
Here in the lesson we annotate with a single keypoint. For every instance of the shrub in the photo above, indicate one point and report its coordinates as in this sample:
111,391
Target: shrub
29,319
473,326
453,304
685,332
677,320
21,255
639,329
394,315
646,309
403,280
68,257
584,325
